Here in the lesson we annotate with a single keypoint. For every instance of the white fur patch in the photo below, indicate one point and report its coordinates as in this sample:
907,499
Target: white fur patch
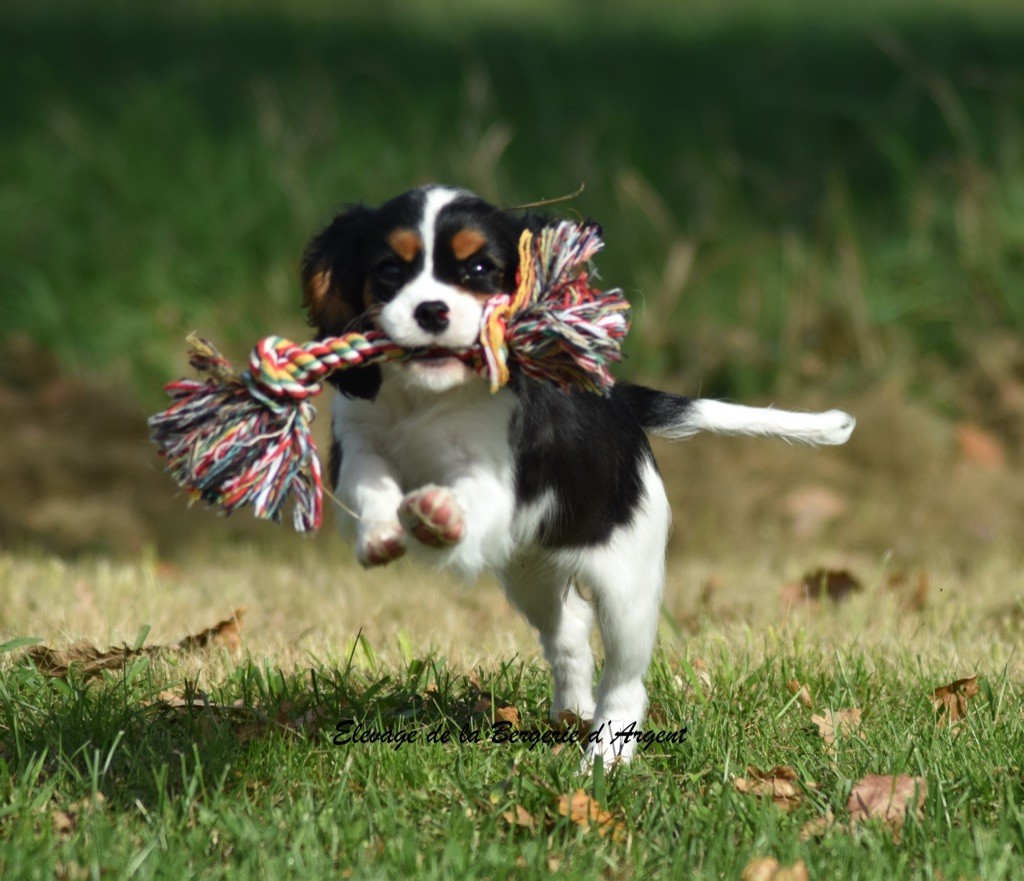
831,427
406,439
397,318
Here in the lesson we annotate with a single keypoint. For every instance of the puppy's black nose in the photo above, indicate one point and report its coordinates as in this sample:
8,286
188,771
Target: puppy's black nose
432,315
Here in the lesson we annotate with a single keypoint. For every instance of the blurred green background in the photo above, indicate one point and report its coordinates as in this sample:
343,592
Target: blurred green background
795,195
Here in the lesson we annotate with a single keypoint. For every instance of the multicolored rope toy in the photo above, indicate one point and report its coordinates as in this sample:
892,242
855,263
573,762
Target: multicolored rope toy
236,439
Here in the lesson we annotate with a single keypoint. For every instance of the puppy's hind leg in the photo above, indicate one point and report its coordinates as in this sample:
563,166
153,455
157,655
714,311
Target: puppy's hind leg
550,602
627,576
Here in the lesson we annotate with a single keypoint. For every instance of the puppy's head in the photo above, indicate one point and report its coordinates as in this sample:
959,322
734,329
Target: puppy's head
419,268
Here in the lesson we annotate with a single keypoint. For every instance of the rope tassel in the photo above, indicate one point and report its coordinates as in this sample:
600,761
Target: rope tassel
236,439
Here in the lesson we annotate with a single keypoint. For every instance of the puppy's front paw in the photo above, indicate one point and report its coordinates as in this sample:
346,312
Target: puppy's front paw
432,515
380,543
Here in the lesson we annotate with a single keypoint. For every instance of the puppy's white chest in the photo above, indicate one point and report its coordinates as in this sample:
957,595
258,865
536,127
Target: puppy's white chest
432,438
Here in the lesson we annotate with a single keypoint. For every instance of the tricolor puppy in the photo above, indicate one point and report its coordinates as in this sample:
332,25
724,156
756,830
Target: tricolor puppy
552,491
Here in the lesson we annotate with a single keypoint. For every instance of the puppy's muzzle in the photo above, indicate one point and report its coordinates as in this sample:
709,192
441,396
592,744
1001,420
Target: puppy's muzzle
432,315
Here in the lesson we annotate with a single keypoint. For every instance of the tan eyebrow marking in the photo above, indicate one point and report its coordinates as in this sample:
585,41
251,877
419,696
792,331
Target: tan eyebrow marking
405,243
467,242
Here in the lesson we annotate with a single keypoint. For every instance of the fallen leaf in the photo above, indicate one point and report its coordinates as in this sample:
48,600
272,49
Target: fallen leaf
802,692
88,661
918,599
779,784
770,869
582,810
832,584
980,447
812,508
708,590
838,723
835,584
507,714
82,657
63,823
950,701
887,798
226,634
569,720
817,827
519,816
656,714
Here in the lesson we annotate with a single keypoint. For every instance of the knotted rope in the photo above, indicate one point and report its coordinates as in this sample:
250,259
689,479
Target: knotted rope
235,439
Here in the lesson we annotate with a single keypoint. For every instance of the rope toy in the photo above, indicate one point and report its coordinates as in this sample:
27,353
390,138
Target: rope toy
234,439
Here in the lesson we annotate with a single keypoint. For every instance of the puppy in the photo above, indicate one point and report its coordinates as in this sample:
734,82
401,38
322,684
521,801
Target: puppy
549,490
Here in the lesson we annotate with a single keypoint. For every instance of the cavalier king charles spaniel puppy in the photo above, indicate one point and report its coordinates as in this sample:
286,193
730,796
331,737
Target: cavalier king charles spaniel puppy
555,492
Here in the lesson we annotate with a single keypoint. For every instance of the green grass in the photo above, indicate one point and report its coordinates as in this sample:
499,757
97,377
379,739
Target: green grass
258,788
793,194
187,793
788,193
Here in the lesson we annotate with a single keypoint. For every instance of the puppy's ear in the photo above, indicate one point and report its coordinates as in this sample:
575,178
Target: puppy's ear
518,223
333,280
334,275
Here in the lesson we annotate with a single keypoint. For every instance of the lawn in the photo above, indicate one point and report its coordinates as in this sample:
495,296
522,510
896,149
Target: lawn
223,762
813,205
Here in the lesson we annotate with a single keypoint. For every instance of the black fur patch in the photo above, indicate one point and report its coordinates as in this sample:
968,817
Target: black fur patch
588,450
654,409
365,271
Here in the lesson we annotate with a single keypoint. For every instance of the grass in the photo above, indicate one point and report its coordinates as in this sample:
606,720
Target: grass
789,193
107,778
795,197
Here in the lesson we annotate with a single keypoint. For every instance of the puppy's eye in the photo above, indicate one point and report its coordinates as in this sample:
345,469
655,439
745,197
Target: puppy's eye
477,267
390,271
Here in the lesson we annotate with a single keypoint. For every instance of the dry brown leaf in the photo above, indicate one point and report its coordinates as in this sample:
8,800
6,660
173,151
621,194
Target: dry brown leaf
82,657
778,783
812,508
838,723
770,869
833,584
950,701
817,827
980,447
802,692
887,798
507,714
836,584
569,720
582,810
87,661
914,601
63,823
226,634
519,816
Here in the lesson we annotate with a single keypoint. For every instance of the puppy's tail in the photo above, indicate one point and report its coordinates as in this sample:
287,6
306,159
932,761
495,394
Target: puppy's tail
674,416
